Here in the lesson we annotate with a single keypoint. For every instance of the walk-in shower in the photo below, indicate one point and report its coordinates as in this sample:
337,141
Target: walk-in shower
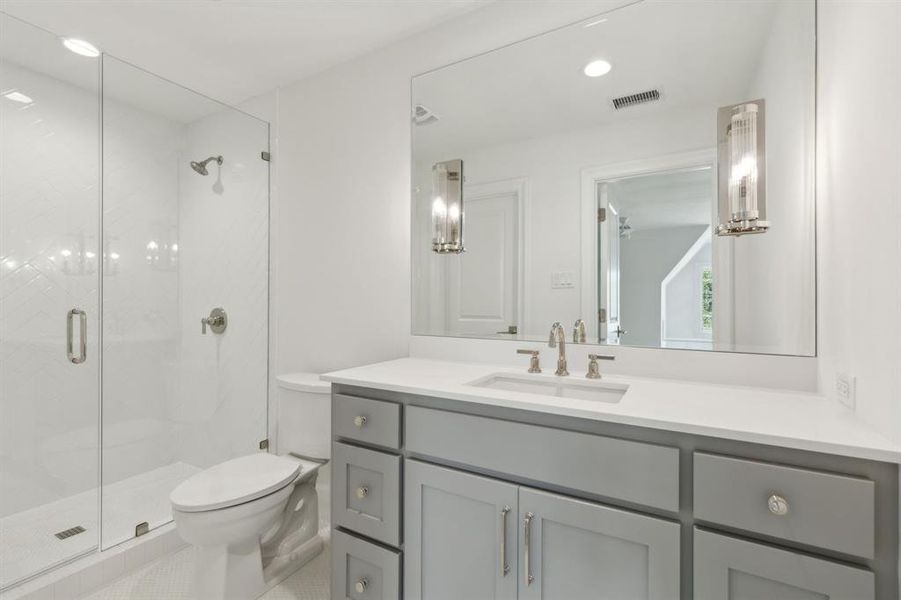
200,166
111,249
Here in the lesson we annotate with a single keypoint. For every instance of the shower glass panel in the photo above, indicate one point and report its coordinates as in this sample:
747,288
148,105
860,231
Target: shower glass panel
50,264
178,395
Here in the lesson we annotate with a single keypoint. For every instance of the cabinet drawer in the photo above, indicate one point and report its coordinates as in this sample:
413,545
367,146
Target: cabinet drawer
727,568
364,420
821,509
363,571
630,471
366,492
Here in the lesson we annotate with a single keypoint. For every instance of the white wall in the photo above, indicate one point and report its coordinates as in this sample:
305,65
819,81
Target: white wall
219,405
859,205
141,153
343,179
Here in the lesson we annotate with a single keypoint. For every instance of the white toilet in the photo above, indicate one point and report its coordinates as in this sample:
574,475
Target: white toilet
253,520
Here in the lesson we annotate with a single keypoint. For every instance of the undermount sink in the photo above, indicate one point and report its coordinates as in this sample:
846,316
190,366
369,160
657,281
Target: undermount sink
561,388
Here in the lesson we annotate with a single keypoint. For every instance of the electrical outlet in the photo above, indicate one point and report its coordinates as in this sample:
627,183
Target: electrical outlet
845,389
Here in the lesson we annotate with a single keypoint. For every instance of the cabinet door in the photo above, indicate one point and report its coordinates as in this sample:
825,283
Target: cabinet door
460,533
728,568
576,549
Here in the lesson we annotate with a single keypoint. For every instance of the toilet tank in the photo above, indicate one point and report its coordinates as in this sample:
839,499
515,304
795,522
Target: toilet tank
304,415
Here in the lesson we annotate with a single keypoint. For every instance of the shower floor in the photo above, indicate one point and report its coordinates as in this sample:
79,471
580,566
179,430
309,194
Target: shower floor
27,541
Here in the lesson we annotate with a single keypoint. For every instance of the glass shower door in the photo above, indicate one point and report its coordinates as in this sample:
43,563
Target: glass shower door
50,264
186,220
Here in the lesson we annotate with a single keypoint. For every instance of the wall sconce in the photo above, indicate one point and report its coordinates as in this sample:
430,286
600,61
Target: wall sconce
447,207
742,169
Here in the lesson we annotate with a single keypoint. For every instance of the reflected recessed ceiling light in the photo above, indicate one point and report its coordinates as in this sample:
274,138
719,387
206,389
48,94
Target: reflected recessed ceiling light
17,97
596,68
81,47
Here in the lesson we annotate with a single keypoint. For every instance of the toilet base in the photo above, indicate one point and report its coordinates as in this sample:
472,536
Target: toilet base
284,566
235,574
228,573
243,570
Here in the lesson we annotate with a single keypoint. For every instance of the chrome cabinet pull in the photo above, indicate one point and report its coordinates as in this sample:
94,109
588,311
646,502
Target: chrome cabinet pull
361,585
778,505
83,336
359,421
505,566
527,538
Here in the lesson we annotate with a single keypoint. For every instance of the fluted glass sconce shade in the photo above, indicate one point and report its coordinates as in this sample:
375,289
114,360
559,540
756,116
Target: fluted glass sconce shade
447,207
742,169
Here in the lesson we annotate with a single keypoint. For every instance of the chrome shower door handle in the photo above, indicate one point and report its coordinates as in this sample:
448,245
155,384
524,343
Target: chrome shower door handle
505,566
82,355
527,541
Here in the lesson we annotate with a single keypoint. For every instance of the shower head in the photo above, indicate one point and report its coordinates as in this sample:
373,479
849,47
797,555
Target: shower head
200,167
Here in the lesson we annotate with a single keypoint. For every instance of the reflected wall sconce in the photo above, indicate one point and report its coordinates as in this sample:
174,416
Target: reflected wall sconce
447,207
741,176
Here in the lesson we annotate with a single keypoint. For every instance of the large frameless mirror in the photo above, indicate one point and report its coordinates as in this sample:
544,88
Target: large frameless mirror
648,173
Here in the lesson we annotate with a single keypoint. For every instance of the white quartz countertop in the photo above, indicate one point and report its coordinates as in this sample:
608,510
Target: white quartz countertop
790,419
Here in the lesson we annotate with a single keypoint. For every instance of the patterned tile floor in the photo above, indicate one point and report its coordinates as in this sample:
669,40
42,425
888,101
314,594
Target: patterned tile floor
170,579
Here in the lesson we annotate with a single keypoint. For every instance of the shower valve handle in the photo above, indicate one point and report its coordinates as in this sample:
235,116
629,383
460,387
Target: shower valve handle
217,321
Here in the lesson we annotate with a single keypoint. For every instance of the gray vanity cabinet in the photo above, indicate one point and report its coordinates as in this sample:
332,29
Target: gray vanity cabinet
575,549
469,536
728,568
435,499
460,535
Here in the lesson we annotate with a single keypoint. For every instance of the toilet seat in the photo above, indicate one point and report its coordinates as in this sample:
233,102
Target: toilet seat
234,482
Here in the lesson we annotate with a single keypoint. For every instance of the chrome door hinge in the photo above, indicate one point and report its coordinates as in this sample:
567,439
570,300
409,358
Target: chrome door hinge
142,529
265,156
264,444
602,315
602,215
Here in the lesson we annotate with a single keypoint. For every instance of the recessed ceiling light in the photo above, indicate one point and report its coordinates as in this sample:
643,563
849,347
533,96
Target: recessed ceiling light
81,47
17,97
596,68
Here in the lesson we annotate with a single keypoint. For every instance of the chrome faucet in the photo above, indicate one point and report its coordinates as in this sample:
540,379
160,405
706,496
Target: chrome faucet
579,336
558,337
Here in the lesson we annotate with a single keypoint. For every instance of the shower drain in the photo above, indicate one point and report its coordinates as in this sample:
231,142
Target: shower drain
67,533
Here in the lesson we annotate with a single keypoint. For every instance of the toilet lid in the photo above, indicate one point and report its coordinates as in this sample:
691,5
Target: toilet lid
234,482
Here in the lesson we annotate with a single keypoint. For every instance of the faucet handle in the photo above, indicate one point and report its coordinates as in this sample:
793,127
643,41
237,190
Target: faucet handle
579,336
593,370
533,362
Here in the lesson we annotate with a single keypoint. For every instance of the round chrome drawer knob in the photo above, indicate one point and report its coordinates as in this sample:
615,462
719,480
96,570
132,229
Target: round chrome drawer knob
360,420
777,505
361,585
362,492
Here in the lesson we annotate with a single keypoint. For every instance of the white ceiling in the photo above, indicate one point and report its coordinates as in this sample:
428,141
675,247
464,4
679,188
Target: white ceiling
698,54
232,50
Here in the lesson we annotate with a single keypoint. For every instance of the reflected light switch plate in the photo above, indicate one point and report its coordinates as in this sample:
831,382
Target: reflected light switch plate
562,280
